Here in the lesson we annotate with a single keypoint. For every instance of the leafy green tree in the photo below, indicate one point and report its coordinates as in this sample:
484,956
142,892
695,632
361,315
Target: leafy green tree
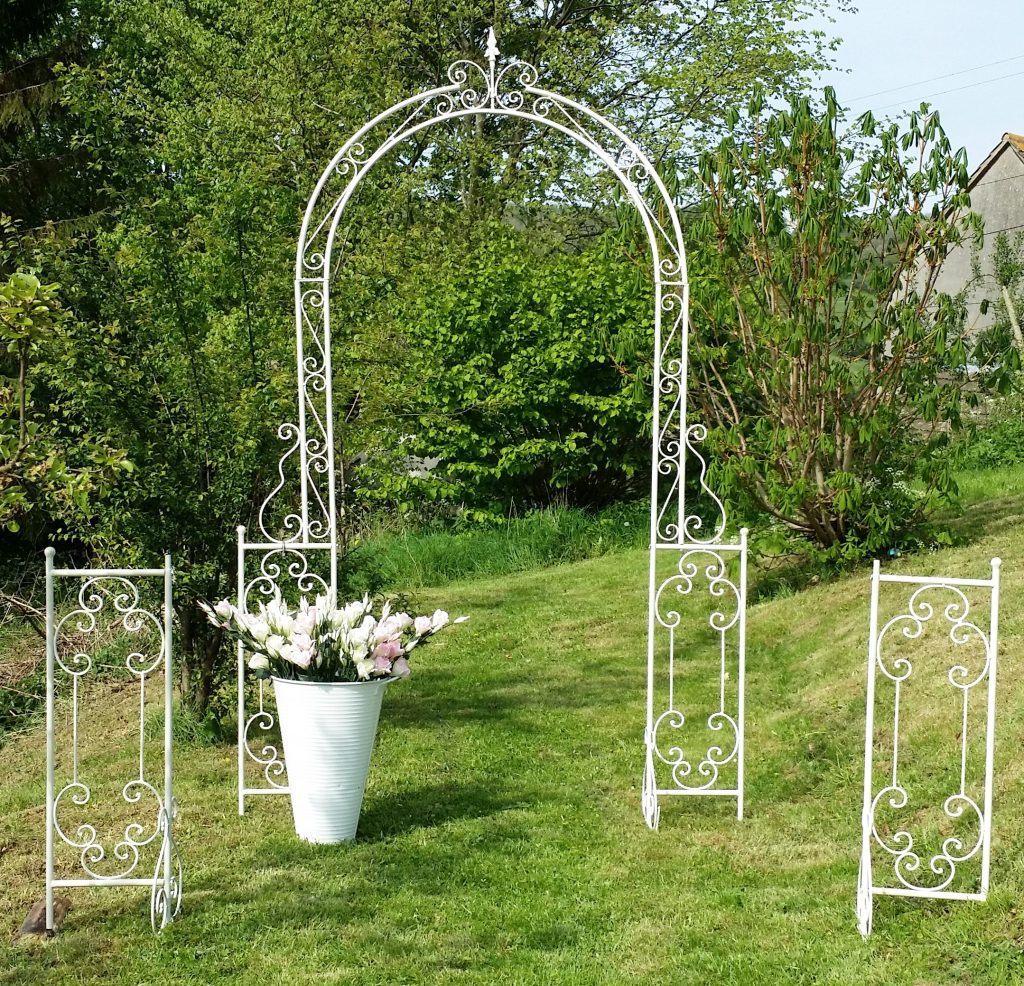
1008,269
198,132
46,176
826,358
509,383
44,477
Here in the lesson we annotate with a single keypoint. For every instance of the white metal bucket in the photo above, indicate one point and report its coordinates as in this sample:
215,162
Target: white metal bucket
328,730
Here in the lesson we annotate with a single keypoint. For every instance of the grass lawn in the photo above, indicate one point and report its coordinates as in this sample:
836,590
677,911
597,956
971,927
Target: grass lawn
502,840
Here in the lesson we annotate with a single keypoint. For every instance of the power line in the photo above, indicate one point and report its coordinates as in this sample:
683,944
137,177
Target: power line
946,92
996,181
937,78
1008,229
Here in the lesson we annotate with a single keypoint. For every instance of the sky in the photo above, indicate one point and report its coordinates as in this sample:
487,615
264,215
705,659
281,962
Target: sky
900,52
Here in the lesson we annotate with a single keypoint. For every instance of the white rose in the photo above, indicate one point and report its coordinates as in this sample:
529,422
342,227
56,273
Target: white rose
387,629
305,622
364,668
358,636
259,662
223,609
354,612
438,620
280,620
275,645
257,628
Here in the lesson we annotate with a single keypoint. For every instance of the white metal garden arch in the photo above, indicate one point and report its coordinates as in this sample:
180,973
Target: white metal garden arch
690,541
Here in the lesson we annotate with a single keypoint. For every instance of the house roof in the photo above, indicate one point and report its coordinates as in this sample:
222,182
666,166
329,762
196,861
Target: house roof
1015,142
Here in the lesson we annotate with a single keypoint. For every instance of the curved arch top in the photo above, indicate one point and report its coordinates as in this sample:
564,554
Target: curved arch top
292,534
503,90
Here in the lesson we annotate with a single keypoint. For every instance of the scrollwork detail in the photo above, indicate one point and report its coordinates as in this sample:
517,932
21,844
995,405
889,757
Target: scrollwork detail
93,596
908,865
92,851
719,585
693,524
716,756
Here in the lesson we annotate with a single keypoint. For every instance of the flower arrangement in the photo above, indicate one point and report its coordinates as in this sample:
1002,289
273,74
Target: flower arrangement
319,642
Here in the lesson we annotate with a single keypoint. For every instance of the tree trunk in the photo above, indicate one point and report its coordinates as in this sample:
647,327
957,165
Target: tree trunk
22,397
1011,309
199,644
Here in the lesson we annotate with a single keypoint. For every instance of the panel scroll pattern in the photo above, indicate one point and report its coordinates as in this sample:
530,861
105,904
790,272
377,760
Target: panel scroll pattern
892,860
673,766
111,613
266,572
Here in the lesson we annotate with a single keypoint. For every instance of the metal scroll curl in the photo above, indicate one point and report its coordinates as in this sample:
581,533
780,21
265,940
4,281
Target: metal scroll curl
701,772
109,853
890,813
165,898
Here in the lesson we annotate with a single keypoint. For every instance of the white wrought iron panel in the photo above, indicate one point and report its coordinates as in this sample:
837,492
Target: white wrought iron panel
269,570
308,528
111,601
695,716
961,657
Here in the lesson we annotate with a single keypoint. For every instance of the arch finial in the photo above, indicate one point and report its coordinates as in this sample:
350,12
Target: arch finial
492,47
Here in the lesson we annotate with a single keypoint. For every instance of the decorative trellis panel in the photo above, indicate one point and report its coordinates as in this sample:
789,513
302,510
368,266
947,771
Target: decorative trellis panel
269,571
913,843
297,530
695,716
114,610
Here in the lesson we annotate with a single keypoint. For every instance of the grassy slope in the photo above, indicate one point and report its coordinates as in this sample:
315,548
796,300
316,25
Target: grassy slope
501,838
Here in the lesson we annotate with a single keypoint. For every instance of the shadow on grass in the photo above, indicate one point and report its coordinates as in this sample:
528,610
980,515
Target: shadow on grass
515,699
385,816
986,518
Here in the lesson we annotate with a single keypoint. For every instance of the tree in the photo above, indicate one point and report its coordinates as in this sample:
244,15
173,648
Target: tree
45,174
44,477
1008,268
507,381
202,128
827,360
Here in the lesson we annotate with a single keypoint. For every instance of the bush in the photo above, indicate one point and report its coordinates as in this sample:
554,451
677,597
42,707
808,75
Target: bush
1000,442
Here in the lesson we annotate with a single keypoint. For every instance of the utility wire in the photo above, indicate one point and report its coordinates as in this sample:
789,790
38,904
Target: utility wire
1008,229
996,181
946,92
937,78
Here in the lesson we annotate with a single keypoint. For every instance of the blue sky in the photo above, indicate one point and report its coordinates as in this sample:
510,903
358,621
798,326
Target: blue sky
899,52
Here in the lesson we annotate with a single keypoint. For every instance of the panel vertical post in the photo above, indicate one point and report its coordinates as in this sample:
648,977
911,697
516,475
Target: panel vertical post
168,733
648,795
50,652
742,672
240,672
865,891
993,644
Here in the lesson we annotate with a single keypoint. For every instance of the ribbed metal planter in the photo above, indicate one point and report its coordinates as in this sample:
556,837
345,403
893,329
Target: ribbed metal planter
328,730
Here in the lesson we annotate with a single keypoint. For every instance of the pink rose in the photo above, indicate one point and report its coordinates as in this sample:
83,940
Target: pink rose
381,663
388,650
297,656
401,668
